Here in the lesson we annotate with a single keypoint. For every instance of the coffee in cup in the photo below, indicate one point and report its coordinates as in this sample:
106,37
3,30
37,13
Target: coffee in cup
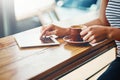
75,33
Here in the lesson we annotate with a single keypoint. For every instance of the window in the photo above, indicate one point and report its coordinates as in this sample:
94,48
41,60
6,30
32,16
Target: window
7,17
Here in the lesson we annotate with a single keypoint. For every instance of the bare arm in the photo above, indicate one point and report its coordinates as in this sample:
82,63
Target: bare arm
113,33
100,29
101,20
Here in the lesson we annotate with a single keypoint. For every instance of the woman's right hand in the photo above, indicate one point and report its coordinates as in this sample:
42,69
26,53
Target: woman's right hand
54,30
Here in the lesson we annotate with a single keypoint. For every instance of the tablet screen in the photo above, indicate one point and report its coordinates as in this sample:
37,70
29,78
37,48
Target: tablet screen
47,40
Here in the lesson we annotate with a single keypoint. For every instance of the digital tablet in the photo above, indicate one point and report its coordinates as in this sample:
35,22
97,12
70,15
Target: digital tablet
31,38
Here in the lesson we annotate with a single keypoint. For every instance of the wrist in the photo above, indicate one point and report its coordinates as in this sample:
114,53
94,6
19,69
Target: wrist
67,31
109,33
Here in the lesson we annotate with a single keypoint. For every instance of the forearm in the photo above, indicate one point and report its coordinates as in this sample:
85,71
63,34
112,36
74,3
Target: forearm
97,21
101,20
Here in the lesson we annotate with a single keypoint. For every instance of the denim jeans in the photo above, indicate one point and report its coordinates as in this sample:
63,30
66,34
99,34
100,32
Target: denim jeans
113,71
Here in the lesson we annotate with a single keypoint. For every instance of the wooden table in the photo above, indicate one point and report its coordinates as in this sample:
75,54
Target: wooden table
44,63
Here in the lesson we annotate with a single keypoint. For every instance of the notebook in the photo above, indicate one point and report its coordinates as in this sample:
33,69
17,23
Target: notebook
31,38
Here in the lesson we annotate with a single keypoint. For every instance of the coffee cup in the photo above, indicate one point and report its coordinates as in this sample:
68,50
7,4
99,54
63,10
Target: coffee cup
75,33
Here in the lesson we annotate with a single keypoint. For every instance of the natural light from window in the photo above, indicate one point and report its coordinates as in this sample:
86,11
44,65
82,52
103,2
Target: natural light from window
27,8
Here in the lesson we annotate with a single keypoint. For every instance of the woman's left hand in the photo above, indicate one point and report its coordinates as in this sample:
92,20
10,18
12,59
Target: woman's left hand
94,33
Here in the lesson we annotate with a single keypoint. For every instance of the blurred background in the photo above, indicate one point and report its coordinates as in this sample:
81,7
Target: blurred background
20,15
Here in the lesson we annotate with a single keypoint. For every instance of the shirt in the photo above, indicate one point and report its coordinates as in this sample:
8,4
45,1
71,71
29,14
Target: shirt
113,17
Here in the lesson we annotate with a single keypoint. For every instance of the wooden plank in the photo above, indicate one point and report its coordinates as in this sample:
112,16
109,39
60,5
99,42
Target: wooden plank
88,70
29,62
77,60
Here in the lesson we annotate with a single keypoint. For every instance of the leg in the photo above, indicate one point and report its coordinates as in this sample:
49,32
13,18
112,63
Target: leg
113,71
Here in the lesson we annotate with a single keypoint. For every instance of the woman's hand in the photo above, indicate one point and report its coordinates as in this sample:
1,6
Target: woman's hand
54,30
94,33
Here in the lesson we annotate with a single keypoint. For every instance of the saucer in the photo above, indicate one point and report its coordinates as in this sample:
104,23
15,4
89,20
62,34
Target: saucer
67,39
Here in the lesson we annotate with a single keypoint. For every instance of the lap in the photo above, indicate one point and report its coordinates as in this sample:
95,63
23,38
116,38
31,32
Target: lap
113,71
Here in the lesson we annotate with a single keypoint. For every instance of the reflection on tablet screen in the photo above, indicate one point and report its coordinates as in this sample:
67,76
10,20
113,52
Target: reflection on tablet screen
47,40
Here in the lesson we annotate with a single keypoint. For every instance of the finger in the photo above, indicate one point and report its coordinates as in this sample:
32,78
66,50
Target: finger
84,32
97,39
48,33
42,30
87,36
91,38
46,29
93,41
42,33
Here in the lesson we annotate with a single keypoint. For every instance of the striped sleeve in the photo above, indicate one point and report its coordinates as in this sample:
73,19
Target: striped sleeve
113,13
